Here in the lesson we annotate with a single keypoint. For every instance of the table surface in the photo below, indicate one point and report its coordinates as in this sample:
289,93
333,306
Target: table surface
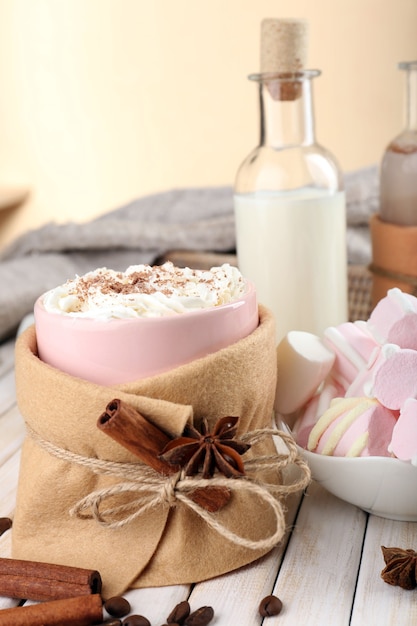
326,571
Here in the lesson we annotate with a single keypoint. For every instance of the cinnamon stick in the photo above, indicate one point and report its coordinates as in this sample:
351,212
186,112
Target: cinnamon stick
211,498
33,580
134,432
79,611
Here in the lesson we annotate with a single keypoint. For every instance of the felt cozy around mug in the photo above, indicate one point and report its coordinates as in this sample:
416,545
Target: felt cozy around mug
67,460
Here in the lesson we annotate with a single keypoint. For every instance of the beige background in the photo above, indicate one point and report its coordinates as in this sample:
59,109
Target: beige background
102,101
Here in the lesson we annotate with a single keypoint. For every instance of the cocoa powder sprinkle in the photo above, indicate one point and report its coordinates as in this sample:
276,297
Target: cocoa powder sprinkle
144,290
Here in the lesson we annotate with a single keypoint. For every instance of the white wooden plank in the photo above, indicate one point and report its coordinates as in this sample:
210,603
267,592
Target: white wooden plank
9,474
6,544
317,579
7,391
376,602
12,431
6,356
156,603
235,597
8,603
10,442
5,602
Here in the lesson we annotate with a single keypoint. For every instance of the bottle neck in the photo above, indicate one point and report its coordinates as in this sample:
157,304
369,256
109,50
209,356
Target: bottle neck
286,109
411,96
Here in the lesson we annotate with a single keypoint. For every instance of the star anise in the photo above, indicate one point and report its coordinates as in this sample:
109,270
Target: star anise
208,451
400,568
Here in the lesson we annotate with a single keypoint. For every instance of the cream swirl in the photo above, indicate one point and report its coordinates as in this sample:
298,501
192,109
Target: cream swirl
145,291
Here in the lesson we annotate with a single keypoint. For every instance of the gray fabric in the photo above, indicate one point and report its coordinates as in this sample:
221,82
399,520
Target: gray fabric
198,219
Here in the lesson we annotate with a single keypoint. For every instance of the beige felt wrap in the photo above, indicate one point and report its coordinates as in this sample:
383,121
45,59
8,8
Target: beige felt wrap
166,544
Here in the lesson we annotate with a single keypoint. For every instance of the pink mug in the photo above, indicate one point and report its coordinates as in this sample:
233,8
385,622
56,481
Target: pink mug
114,351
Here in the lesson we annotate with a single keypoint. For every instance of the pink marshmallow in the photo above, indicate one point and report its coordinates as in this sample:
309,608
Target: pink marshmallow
313,410
395,379
404,436
353,346
394,319
353,427
362,385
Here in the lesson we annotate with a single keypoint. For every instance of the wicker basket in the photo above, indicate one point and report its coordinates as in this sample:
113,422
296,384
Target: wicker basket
360,285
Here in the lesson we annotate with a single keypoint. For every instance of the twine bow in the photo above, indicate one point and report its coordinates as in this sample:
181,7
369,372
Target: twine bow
149,489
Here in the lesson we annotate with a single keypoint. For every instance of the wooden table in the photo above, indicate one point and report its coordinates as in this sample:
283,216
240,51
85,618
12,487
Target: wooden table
326,572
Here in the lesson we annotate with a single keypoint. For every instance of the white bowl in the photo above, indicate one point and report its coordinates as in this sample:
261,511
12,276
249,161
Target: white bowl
382,486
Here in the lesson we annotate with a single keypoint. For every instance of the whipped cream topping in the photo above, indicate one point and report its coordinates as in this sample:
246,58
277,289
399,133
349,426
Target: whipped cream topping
145,291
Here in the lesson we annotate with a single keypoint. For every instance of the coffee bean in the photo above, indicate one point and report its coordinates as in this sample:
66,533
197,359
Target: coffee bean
136,620
5,524
270,605
111,622
117,606
200,617
179,613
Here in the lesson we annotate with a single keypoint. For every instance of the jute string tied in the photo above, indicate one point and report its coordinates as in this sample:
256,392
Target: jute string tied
395,276
154,490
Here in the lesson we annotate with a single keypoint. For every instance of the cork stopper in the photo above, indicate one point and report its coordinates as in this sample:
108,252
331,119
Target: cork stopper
284,45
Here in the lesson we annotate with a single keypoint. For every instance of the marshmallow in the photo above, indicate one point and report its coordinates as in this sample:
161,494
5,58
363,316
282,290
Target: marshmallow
303,364
353,427
363,384
366,403
314,408
394,319
353,346
395,379
404,436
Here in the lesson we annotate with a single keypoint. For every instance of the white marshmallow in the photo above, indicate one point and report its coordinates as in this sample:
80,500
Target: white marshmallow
303,363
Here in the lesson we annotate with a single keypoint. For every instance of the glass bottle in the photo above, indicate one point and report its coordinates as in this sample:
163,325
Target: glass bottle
398,175
290,211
